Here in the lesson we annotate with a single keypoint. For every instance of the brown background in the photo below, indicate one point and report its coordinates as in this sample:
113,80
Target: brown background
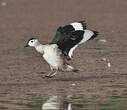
22,19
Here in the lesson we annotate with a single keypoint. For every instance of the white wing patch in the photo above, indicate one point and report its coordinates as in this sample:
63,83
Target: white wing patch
87,35
71,51
77,26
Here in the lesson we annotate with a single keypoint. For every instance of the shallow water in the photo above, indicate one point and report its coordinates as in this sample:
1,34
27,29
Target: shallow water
62,96
79,102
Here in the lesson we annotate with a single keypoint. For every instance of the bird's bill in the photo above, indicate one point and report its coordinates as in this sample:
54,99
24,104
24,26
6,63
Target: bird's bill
26,45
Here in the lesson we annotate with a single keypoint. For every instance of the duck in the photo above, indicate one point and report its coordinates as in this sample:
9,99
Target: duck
60,50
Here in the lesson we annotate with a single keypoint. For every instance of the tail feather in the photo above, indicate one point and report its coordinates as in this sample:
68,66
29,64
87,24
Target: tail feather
96,33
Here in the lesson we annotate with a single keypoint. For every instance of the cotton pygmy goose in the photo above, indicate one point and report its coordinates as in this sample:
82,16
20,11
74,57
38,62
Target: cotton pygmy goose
65,41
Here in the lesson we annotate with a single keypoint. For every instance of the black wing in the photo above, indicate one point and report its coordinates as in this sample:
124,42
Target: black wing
67,29
68,41
61,32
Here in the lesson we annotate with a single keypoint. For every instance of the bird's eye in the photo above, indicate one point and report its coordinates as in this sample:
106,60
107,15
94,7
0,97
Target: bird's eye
32,41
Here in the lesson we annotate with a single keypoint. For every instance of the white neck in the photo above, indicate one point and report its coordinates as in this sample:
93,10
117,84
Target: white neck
39,48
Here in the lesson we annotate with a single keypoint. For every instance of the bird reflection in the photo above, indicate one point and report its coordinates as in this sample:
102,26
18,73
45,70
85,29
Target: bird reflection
57,103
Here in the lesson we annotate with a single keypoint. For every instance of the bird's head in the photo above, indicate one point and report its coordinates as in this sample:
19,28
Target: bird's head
32,42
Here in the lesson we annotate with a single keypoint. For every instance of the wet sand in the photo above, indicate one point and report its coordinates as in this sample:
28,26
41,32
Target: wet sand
20,68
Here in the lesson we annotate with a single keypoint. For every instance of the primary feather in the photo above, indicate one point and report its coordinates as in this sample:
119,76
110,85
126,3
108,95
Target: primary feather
70,36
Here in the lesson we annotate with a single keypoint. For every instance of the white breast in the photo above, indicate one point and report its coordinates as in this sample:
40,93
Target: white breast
52,55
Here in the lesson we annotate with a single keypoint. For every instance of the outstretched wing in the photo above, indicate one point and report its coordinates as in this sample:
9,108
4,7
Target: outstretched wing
87,35
67,29
70,36
68,41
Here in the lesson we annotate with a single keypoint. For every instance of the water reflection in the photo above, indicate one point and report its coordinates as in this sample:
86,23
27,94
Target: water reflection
56,103
73,98
51,104
76,102
64,103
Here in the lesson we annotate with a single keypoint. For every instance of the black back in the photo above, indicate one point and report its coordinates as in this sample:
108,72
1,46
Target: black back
70,40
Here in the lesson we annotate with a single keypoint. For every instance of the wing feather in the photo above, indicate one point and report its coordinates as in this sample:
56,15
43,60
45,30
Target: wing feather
67,29
70,36
69,41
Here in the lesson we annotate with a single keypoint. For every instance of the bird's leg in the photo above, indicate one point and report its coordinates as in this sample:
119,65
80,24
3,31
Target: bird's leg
51,70
52,73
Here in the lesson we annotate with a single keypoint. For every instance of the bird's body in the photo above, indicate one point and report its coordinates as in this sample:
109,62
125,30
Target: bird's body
67,38
52,55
